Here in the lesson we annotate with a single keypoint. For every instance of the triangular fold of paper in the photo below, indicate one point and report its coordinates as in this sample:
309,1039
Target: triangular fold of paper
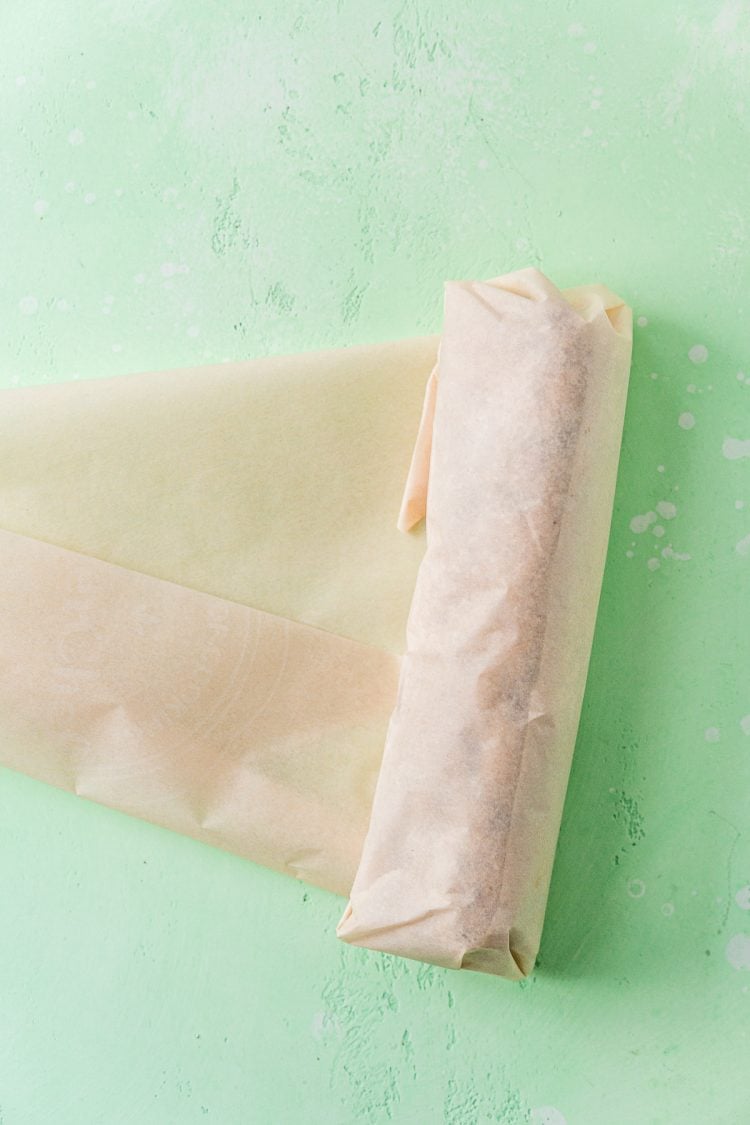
203,593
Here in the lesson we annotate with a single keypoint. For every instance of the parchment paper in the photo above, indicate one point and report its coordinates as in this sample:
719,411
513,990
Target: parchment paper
204,588
515,460
148,519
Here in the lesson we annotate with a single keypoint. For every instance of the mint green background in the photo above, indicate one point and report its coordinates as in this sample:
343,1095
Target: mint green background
278,177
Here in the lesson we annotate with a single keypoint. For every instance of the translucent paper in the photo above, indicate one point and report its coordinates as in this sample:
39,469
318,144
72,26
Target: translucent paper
205,580
516,462
203,594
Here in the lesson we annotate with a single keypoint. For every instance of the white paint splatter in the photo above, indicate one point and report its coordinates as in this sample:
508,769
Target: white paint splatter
21,80
576,30
636,888
28,305
642,523
660,468
629,554
139,278
739,505
742,898
193,330
698,353
735,448
668,909
117,347
745,724
70,186
76,137
657,530
738,951
91,84
675,96
666,509
589,48
89,198
547,1115
690,388
712,734
654,374
686,420
741,376
169,269
642,321
669,553
725,27
41,207
743,547
653,564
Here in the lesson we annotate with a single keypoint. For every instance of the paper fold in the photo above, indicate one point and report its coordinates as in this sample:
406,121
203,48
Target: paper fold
203,594
237,727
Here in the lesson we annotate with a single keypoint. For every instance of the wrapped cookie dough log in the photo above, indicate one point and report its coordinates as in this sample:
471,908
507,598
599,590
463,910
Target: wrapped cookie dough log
520,436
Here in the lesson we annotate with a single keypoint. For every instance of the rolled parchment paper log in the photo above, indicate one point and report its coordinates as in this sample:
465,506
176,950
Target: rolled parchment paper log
515,463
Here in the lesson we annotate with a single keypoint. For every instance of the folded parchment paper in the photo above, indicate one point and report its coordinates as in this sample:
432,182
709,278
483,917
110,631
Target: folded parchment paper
203,594
204,598
520,435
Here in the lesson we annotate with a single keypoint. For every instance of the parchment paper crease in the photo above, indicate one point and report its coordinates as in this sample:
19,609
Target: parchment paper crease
205,579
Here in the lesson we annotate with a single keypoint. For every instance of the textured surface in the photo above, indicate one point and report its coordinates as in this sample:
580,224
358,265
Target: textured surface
186,183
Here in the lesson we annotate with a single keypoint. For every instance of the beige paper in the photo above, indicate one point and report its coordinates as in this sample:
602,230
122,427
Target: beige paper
203,594
520,436
237,727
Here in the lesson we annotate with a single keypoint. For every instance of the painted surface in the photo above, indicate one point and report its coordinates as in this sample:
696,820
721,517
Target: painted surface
184,183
